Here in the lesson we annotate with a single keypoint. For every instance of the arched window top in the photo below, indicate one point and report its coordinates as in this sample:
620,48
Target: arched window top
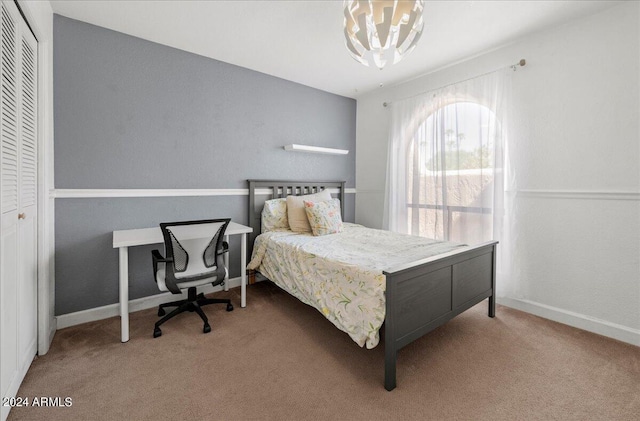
459,136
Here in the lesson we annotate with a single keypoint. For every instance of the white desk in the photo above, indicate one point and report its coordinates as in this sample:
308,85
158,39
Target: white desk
138,237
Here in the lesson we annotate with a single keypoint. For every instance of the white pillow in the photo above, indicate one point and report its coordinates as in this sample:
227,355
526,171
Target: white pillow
298,221
274,215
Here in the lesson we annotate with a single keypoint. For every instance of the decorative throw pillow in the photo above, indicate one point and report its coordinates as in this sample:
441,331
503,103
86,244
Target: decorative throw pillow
274,215
324,217
298,221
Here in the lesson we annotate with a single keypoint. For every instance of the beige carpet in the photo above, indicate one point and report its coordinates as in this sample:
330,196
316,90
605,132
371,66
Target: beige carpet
280,359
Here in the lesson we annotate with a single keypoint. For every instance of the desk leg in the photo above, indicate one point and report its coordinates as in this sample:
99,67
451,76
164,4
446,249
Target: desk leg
124,293
243,271
226,264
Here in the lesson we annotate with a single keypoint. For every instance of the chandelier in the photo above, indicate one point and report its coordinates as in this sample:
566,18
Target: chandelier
380,32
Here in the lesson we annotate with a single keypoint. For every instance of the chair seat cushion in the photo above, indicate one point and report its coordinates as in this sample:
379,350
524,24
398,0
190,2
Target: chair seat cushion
162,286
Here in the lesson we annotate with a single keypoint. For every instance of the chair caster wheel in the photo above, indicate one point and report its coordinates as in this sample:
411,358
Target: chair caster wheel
161,312
229,307
157,332
206,329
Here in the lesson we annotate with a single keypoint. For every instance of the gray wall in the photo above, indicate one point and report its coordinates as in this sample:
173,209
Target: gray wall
130,113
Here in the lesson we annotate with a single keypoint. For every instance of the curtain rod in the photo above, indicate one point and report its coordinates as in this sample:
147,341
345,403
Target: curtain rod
513,67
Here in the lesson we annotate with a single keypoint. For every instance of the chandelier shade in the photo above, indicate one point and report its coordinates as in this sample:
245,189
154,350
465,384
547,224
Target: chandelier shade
381,32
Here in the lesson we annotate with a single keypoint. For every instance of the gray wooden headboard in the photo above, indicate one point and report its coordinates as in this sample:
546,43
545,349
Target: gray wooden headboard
263,190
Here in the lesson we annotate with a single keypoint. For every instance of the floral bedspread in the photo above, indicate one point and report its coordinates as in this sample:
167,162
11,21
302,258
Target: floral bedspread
341,274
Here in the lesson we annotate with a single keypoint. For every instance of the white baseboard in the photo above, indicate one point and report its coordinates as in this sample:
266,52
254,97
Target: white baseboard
112,310
581,321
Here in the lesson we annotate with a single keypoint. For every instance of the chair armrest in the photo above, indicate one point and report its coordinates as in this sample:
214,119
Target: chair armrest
224,249
157,258
169,279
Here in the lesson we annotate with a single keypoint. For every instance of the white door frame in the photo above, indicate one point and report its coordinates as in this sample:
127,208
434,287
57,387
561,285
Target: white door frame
39,16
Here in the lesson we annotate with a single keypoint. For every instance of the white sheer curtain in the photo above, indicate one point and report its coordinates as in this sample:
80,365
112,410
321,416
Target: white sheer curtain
446,166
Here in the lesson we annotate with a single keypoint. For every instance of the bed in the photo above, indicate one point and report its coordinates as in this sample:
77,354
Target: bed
407,297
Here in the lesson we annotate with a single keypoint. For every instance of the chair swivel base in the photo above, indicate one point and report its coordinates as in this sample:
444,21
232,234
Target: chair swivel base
192,303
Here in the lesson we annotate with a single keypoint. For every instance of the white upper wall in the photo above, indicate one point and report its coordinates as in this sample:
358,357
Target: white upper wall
575,108
575,137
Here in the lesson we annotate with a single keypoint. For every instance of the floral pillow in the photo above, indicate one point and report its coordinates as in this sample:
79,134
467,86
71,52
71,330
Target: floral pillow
324,217
274,215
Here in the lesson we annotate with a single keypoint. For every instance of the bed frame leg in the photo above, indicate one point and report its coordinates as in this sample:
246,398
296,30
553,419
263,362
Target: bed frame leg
389,369
492,298
390,350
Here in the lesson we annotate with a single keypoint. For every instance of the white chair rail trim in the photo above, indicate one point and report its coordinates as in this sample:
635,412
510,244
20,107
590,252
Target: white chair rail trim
577,194
94,193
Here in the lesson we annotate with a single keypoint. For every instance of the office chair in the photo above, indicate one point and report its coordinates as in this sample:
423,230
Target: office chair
194,257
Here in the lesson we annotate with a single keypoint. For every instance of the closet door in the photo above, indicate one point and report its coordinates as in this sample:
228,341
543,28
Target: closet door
27,215
10,201
18,187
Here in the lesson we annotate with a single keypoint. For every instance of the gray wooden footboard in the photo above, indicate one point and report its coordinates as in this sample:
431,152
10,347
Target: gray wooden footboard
426,294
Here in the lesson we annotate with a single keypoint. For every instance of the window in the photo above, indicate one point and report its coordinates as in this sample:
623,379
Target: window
450,165
445,167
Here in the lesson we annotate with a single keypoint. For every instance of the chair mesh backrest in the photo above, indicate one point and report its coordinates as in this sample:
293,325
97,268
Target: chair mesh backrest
210,253
180,255
194,246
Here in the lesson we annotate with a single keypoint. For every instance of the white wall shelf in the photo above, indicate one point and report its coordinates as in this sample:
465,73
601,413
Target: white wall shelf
315,149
